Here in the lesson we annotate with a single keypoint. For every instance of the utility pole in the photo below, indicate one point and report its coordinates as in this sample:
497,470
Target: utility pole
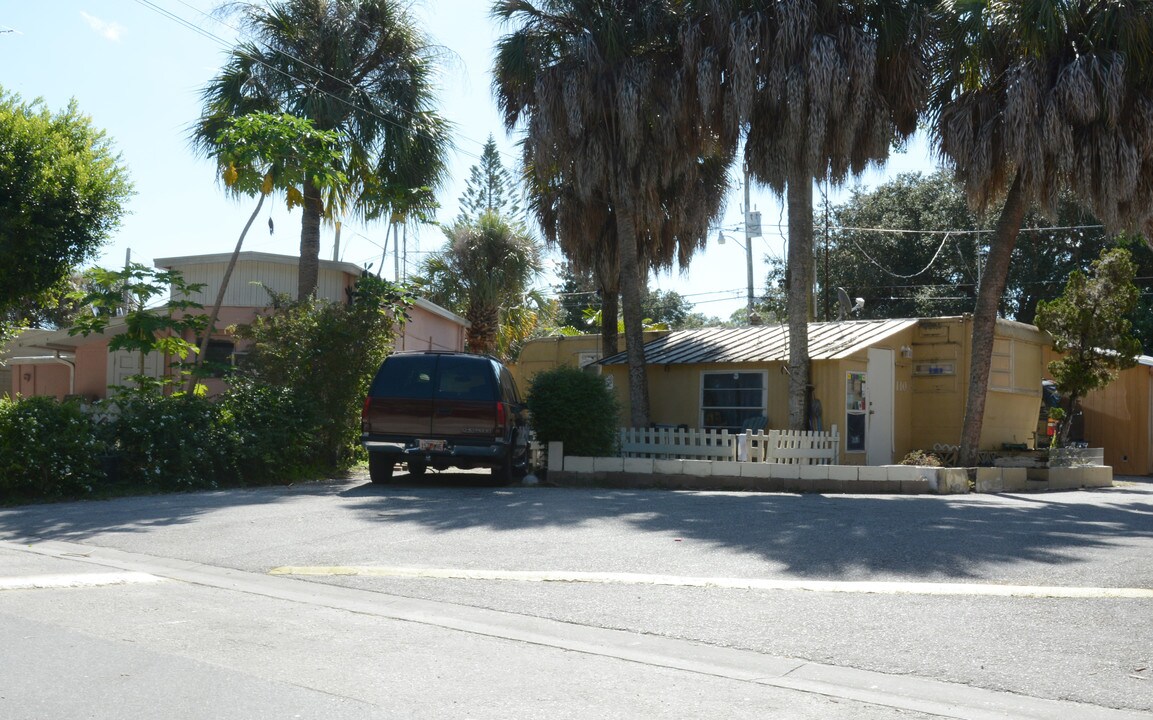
752,230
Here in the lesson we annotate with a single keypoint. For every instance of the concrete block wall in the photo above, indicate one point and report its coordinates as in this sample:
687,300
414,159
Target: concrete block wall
779,477
1019,479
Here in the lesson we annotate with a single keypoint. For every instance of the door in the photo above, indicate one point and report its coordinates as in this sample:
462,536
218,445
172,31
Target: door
879,438
123,364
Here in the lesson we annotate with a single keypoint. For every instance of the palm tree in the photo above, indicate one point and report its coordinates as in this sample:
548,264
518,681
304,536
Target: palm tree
611,113
1036,97
586,235
358,67
485,271
823,88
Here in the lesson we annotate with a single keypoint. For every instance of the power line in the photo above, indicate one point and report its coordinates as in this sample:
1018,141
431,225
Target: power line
900,231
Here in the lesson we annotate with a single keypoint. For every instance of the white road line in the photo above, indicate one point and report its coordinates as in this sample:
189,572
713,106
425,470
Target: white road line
882,588
41,582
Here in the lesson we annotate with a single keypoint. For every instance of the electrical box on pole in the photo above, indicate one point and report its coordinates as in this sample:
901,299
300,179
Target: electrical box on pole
753,224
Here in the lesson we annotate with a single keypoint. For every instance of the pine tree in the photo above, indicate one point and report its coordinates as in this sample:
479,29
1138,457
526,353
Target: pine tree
490,187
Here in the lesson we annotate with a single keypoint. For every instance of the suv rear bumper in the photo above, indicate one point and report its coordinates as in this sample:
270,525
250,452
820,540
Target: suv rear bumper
404,450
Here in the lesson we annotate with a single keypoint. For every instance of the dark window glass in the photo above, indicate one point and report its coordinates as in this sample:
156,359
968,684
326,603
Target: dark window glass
508,387
406,376
729,399
462,378
218,358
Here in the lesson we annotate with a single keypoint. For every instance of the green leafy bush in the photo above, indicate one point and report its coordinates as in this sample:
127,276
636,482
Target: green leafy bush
48,449
267,434
576,408
164,442
326,353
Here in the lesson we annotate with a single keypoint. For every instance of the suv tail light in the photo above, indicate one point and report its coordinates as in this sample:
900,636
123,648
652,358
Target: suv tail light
501,418
364,408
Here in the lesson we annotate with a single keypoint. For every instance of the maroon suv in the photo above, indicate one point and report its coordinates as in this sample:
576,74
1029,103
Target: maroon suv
444,409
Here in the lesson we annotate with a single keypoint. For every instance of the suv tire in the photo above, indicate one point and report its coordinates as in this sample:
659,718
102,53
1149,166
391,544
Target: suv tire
380,468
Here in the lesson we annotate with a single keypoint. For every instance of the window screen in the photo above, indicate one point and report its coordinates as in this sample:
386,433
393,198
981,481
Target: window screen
728,399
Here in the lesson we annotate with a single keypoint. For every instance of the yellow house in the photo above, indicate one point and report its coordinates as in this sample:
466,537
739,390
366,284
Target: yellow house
890,386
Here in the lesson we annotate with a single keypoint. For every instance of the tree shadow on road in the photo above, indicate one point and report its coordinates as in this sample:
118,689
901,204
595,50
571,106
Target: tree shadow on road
811,535
83,519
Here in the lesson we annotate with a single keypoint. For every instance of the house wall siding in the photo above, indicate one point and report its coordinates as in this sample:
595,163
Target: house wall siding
249,278
1117,418
428,331
48,380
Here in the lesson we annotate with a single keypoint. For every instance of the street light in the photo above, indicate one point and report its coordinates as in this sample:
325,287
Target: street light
752,318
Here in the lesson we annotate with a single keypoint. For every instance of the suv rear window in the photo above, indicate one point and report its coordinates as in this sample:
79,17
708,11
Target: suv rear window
417,377
405,376
463,378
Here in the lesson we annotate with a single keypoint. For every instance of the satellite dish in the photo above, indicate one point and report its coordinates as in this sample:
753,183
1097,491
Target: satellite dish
844,305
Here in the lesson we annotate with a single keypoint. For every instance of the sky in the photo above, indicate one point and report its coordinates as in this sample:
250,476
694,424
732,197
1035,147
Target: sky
137,69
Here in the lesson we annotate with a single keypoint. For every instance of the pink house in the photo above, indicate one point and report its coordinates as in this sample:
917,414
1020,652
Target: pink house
52,362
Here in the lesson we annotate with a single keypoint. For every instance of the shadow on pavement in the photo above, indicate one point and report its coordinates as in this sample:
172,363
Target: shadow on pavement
814,535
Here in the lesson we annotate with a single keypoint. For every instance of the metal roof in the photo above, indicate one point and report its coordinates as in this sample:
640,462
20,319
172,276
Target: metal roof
763,343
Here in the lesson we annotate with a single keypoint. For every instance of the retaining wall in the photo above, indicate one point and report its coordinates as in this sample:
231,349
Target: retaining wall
774,477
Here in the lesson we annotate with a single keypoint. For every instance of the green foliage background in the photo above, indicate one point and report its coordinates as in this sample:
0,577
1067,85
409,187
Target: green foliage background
576,408
62,193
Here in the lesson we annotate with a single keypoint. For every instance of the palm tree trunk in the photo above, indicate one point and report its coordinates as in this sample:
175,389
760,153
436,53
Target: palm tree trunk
800,264
309,241
630,283
610,308
481,333
993,279
212,316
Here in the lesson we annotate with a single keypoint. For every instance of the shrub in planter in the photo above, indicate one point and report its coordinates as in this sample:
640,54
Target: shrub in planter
48,449
576,408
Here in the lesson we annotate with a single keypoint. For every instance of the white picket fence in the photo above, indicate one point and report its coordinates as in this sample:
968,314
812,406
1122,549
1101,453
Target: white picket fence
790,447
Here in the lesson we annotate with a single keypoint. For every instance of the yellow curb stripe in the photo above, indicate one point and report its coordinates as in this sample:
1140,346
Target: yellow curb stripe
883,588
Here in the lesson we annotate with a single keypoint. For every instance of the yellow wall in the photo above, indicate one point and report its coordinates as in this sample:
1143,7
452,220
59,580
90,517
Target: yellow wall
675,391
938,399
549,352
829,379
1119,418
1014,398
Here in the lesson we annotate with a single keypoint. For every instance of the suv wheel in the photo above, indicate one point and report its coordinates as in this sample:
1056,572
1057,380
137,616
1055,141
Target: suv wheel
503,474
380,467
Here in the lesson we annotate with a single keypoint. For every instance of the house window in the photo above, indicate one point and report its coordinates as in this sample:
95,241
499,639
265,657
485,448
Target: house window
728,399
218,357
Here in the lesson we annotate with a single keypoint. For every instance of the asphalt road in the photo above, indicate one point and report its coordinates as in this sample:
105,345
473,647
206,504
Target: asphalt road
1015,602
